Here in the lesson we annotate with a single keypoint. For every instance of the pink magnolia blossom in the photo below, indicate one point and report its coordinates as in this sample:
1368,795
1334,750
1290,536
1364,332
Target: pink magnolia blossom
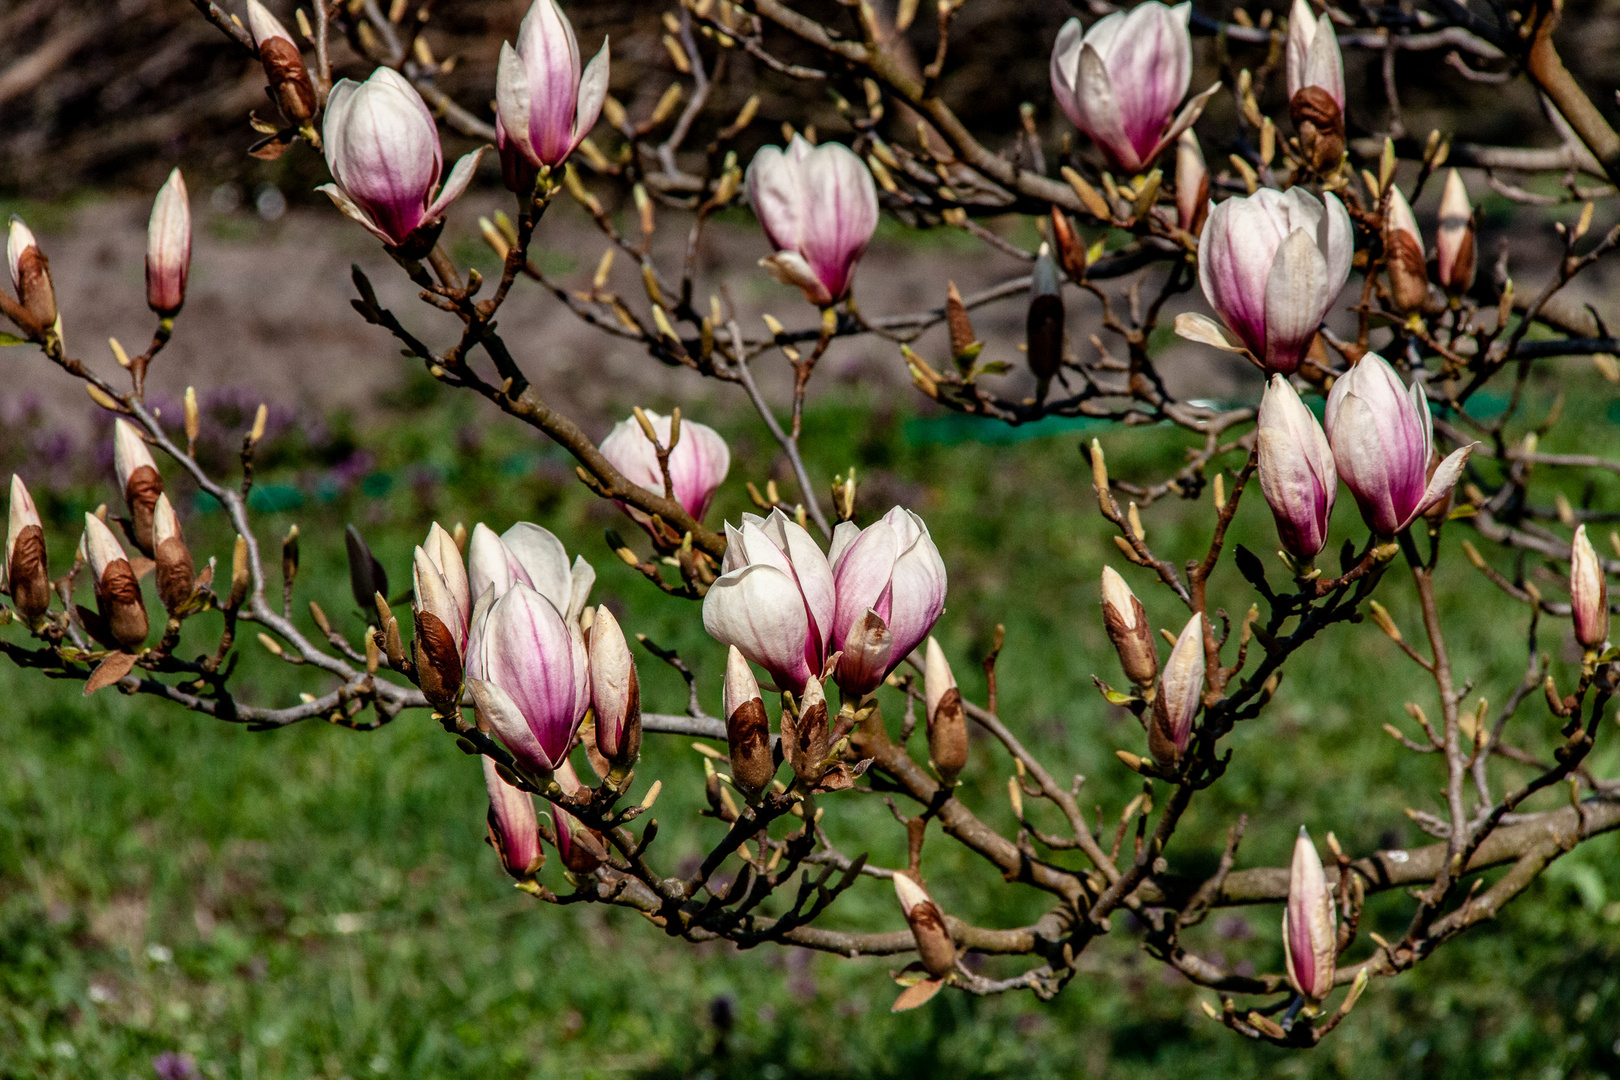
168,247
544,104
531,683
1296,470
818,207
514,828
1122,81
889,582
1310,938
697,465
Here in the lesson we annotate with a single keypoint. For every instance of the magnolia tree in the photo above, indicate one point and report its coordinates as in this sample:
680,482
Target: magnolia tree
1304,244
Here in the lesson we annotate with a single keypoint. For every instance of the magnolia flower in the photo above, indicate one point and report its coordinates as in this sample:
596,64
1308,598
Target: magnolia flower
528,555
1403,253
935,947
1181,689
383,150
615,691
514,830
818,207
1296,470
889,582
1588,593
25,575
748,730
1313,54
168,247
530,680
30,277
138,480
1126,622
774,599
697,464
1121,81
947,721
1454,239
1271,266
1310,938
1382,440
545,106
121,611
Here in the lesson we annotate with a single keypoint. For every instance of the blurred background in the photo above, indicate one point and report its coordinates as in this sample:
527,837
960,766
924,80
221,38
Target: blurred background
319,903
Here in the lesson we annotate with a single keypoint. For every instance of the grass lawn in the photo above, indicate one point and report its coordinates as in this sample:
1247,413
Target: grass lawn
316,902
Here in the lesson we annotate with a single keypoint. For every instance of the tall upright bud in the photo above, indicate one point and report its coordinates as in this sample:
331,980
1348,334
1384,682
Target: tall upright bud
1310,937
25,574
615,692
118,593
947,721
1043,326
545,103
290,84
437,651
934,945
1403,254
1180,689
1588,593
748,730
138,480
1454,240
176,571
1296,470
1315,75
168,247
1127,626
1192,183
30,277
804,737
514,829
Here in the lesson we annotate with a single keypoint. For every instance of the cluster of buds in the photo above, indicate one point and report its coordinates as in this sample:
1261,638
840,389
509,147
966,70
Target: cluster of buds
818,207
1122,81
1454,248
1171,698
696,456
1315,77
544,104
790,609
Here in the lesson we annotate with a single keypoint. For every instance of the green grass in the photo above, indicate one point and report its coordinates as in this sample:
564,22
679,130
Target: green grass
317,902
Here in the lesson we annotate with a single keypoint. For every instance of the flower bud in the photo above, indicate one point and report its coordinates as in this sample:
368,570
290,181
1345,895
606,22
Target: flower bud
367,577
1043,325
1192,183
514,830
168,247
582,849
31,278
1310,937
615,692
1127,626
1403,253
531,681
439,582
118,593
25,575
934,945
439,670
545,104
1180,690
748,731
176,572
819,209
947,721
1315,83
290,84
1588,593
1296,470
138,480
1454,240
804,737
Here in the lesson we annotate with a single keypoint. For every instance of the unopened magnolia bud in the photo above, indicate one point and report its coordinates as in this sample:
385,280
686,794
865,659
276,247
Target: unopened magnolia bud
947,722
1403,252
804,737
176,572
514,830
241,575
934,945
1127,626
290,84
748,730
1310,937
1044,324
1588,593
367,577
31,277
1180,690
582,849
1320,123
1070,248
168,247
25,575
438,662
138,480
615,691
965,345
1192,183
1454,239
118,593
